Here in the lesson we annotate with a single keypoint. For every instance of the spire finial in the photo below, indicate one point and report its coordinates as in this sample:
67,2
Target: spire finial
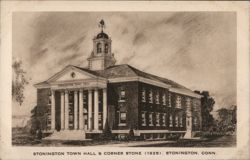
102,25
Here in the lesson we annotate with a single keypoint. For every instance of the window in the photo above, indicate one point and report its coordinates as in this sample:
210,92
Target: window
143,95
99,48
170,121
169,100
181,125
49,101
188,103
178,102
164,119
176,121
164,99
106,48
122,94
123,117
143,119
195,121
157,98
151,119
157,119
150,96
100,118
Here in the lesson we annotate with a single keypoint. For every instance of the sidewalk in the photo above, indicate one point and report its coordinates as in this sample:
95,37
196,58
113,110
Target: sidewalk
136,143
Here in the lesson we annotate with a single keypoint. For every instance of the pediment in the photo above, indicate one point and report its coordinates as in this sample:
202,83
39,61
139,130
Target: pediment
71,73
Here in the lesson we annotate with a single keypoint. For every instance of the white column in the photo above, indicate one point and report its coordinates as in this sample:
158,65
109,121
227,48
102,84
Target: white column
89,109
81,119
53,110
75,110
62,110
104,106
66,109
96,109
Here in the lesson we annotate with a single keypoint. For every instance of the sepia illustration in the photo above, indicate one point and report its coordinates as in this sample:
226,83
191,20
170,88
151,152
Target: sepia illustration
125,79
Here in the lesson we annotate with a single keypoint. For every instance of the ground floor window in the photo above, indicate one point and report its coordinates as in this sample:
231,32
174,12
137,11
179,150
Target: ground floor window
170,121
176,121
150,119
157,119
181,124
122,118
143,119
164,119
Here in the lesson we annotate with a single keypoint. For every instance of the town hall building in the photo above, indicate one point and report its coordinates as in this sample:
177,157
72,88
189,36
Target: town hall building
78,102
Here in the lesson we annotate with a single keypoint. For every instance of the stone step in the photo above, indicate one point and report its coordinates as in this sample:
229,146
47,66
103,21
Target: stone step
67,135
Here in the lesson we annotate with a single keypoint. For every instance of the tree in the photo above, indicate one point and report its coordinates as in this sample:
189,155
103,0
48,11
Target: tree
227,119
38,118
207,104
18,82
107,134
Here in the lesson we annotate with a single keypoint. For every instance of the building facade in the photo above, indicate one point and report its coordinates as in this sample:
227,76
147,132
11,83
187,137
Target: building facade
78,102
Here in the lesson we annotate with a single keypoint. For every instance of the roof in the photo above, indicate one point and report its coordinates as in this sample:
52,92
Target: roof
125,70
102,35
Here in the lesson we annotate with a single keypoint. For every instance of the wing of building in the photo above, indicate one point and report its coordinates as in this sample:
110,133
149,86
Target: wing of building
78,102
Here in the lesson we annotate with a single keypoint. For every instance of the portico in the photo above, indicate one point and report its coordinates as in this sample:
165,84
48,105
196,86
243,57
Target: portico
80,109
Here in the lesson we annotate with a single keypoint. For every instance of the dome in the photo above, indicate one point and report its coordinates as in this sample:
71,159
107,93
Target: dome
102,35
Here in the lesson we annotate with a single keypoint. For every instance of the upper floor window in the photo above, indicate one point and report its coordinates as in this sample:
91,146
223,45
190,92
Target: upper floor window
143,95
49,100
122,94
143,118
150,96
178,102
157,119
164,100
188,103
106,48
169,100
170,121
99,47
150,119
157,98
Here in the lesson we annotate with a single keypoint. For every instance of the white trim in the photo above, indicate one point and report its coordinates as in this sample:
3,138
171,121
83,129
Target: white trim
67,68
185,92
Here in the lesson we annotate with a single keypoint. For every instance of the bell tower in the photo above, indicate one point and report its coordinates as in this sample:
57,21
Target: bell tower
101,57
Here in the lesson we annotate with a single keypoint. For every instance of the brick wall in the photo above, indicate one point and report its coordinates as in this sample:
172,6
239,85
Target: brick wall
130,104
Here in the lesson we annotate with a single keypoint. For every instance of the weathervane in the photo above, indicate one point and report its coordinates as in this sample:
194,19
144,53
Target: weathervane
102,24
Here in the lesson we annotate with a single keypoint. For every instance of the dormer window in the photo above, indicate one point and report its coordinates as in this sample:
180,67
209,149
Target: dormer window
106,48
99,48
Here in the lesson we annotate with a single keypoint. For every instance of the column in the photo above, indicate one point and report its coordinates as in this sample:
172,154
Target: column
62,110
89,109
53,110
81,119
96,109
104,106
66,110
75,110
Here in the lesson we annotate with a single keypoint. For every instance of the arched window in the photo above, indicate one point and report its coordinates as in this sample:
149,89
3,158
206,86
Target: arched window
99,48
106,48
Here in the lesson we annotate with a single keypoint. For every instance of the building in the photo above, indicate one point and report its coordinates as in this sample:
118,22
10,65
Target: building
78,102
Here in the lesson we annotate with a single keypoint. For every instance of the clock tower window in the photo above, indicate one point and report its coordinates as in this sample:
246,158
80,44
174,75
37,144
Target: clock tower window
99,48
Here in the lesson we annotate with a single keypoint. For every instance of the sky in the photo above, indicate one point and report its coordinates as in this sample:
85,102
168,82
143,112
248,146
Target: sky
195,49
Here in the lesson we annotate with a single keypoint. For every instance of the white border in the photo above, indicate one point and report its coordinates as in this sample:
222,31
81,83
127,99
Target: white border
8,7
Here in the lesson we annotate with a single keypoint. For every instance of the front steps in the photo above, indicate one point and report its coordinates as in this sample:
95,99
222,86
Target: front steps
67,135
